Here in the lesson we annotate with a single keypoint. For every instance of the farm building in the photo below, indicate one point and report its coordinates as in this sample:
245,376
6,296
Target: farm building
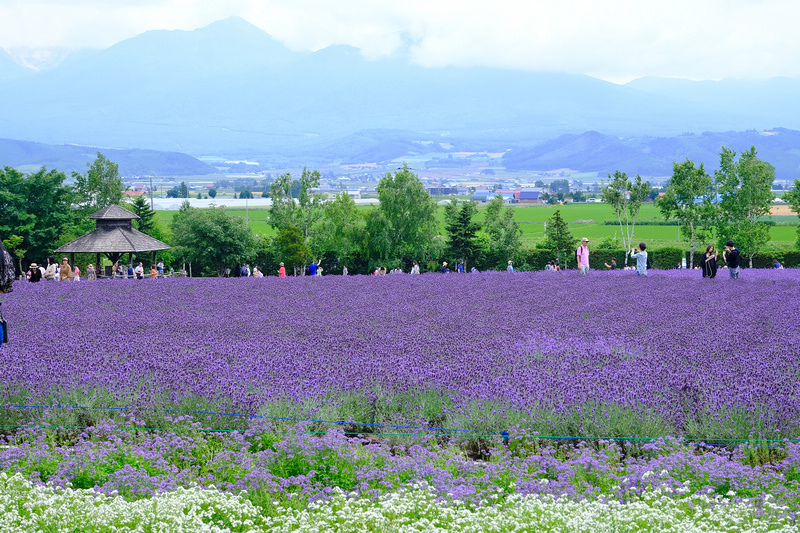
530,196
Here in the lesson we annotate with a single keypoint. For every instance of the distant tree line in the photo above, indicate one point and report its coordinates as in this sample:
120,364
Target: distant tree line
39,212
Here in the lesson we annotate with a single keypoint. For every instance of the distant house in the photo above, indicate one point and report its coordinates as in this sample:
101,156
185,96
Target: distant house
530,196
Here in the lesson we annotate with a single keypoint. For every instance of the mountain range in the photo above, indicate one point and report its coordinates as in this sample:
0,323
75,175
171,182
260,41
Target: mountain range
230,89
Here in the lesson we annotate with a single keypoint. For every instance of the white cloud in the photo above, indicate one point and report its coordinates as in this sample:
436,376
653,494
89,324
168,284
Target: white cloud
617,39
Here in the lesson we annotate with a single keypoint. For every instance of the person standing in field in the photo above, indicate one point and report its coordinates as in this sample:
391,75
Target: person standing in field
510,267
731,258
312,268
139,271
160,268
153,272
282,271
460,267
344,270
52,268
445,270
76,273
91,274
613,265
415,268
66,272
641,259
710,262
582,256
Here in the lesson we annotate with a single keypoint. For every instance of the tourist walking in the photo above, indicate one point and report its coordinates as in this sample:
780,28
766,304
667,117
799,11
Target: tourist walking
139,271
160,268
731,257
76,273
641,259
344,270
415,268
510,267
460,267
91,274
710,262
445,270
281,271
582,256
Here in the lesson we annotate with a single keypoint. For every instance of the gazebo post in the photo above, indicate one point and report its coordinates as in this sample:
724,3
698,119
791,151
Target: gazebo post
98,265
72,260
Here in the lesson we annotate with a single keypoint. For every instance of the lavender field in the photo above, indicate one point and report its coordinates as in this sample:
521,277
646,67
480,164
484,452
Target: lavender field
607,356
357,388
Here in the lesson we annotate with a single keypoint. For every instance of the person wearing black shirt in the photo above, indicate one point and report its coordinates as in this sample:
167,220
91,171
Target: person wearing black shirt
731,258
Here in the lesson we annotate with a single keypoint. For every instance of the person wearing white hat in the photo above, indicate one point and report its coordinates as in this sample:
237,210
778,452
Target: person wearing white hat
582,256
510,267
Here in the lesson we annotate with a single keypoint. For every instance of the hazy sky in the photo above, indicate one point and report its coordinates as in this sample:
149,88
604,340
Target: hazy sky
612,39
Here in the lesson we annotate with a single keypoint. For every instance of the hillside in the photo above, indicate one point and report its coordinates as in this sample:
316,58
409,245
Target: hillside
653,156
68,158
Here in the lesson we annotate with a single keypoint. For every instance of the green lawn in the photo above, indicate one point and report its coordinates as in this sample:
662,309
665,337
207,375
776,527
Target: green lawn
532,218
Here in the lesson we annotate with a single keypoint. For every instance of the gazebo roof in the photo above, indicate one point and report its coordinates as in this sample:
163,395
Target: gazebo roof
113,240
114,212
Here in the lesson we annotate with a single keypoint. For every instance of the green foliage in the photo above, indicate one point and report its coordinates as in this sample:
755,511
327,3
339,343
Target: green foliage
462,232
688,185
404,224
35,207
210,238
341,231
282,214
559,239
665,258
212,193
292,250
793,197
625,197
100,187
560,187
504,234
142,209
745,189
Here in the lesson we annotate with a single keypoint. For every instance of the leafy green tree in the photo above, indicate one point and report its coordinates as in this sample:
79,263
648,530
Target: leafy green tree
462,231
283,212
745,189
404,224
793,197
142,209
578,196
504,233
13,246
245,194
538,183
211,239
174,193
689,199
101,186
292,249
35,207
559,238
625,197
341,230
310,203
183,190
212,193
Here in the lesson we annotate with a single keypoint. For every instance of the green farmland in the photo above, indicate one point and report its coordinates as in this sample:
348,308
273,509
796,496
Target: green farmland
532,218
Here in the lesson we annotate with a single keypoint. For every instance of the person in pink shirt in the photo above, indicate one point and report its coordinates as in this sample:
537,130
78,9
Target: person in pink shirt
282,271
582,256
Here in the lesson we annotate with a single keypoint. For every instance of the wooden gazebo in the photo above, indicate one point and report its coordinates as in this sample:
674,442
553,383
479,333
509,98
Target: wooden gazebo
113,237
